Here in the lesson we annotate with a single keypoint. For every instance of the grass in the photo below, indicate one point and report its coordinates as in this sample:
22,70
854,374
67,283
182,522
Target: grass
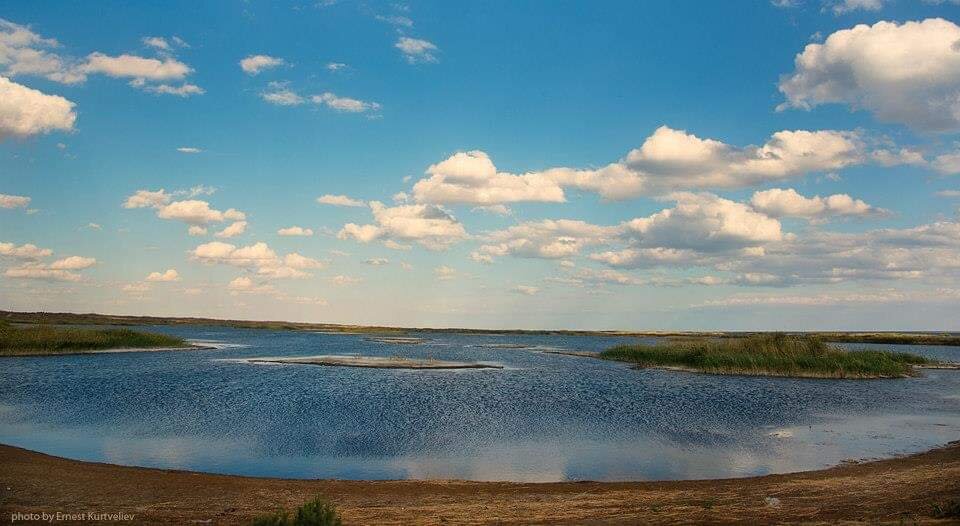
947,510
768,355
44,339
317,512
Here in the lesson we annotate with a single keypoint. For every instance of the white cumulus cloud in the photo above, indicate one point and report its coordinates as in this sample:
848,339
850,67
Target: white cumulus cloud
25,111
906,73
786,202
431,226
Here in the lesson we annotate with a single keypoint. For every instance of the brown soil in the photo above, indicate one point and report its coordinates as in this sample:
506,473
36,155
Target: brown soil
900,491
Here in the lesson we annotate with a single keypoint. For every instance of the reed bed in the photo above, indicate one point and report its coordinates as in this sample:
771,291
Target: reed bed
46,339
768,355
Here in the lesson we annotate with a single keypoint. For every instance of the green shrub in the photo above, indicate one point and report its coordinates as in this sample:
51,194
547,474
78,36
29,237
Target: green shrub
317,512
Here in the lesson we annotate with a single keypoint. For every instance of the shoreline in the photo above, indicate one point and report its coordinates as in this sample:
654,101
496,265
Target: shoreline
932,337
118,350
907,487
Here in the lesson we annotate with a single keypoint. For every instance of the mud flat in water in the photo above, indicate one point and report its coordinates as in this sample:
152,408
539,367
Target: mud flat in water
375,362
397,340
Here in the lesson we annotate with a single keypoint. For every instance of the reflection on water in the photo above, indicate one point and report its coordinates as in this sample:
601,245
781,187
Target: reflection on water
545,417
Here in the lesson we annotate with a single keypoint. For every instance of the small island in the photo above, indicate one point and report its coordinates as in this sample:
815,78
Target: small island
771,355
46,340
375,362
396,340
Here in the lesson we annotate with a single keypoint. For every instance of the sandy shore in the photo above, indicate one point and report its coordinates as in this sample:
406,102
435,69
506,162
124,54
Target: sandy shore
899,491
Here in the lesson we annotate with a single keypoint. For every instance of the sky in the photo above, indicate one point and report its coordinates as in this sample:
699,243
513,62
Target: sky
784,165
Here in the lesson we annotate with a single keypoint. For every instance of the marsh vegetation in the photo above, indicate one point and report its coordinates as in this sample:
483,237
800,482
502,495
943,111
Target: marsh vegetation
46,339
768,355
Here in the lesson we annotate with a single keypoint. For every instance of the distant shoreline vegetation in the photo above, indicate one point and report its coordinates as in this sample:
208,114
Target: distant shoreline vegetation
768,355
47,340
66,318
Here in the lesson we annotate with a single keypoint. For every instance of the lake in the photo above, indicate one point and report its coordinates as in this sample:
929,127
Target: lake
542,417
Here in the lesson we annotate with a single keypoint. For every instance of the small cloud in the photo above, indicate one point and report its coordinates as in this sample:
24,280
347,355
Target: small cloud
377,262
246,285
14,201
416,50
526,290
396,20
500,210
136,288
234,229
169,275
188,149
279,94
254,64
444,273
183,90
344,104
295,231
393,245
94,226
194,191
159,43
345,280
339,200
336,66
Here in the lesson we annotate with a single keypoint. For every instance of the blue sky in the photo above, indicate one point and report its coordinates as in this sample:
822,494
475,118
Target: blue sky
756,165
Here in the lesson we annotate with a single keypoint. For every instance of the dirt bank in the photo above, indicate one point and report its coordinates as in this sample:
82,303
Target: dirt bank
903,489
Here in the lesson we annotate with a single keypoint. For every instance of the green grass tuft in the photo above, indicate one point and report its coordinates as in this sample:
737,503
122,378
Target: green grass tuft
317,512
768,355
45,339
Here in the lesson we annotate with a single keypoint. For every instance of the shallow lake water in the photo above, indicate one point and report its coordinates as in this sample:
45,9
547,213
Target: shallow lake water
543,417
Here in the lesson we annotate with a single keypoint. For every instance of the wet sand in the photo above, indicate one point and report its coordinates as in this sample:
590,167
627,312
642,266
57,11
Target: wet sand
899,491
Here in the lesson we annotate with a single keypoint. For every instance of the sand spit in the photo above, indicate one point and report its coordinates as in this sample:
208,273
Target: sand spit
375,362
941,365
118,350
581,354
397,340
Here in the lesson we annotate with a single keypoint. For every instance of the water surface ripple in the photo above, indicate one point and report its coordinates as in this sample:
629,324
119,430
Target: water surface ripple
544,417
